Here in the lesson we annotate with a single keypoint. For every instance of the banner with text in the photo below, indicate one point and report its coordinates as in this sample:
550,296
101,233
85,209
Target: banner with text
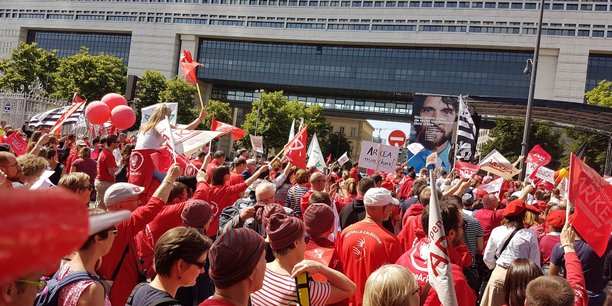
257,143
378,157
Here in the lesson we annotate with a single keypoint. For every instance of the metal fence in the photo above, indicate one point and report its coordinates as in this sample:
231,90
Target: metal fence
18,107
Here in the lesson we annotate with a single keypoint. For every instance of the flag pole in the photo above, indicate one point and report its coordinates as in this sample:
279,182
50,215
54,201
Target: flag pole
200,94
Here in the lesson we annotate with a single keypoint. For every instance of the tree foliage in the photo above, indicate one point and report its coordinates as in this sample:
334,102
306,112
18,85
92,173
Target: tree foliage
276,113
27,63
151,83
92,76
338,144
507,136
597,144
177,90
219,110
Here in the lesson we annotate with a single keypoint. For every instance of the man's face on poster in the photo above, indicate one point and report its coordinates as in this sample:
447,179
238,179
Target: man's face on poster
440,128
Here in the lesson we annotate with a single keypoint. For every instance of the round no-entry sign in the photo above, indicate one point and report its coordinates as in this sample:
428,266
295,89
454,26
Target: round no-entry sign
397,138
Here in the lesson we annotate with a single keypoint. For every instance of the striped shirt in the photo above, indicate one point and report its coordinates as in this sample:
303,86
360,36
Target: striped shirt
294,197
280,290
471,231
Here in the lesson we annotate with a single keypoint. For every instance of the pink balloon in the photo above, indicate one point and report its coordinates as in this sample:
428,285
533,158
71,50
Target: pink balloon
113,100
123,117
97,112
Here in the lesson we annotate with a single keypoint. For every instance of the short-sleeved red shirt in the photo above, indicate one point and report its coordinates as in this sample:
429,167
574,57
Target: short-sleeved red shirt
106,160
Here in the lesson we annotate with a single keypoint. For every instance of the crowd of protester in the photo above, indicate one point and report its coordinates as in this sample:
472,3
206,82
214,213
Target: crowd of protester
244,231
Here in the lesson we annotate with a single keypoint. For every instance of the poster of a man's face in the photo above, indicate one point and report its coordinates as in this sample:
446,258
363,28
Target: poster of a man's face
434,118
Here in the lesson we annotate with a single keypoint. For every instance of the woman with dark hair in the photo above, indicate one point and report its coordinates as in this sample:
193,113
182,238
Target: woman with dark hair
507,242
124,167
180,255
520,273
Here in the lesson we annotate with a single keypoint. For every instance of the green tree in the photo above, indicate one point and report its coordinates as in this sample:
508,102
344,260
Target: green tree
150,85
177,90
92,76
219,110
338,144
27,63
275,115
507,136
597,144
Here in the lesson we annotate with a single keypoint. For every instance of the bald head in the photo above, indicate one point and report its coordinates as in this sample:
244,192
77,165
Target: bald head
317,181
490,201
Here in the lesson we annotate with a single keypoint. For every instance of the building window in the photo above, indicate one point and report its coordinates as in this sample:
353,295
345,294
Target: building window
353,132
341,130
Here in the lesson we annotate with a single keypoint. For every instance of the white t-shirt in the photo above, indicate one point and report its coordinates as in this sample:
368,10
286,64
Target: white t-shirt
149,140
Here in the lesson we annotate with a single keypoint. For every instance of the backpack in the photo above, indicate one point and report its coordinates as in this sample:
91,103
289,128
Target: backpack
159,302
50,295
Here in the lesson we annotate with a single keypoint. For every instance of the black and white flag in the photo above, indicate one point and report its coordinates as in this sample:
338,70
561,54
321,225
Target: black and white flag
466,133
48,118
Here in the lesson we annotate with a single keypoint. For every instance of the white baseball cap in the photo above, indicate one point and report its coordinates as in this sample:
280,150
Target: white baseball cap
379,197
119,192
98,223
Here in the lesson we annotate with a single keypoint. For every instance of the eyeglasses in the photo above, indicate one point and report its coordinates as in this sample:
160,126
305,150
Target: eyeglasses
196,263
114,230
40,285
87,187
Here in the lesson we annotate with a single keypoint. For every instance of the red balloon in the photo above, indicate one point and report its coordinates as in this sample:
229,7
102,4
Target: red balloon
97,112
123,117
38,228
113,100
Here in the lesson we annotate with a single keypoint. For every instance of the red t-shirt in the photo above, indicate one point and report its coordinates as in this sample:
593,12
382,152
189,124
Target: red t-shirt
106,160
412,261
211,302
354,174
406,188
546,246
197,163
235,178
211,165
220,197
489,219
71,158
127,276
364,247
304,200
412,230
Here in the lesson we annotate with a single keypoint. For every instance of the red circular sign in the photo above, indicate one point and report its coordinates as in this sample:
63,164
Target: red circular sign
397,138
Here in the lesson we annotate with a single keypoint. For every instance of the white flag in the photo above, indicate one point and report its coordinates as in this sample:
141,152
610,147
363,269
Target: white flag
148,111
415,148
185,141
343,159
432,159
163,127
315,156
439,272
292,131
498,164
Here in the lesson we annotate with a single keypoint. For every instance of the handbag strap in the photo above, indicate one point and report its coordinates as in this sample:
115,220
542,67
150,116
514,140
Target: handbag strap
497,254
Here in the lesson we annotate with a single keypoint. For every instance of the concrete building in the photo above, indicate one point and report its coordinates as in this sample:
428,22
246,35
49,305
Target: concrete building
348,55
355,130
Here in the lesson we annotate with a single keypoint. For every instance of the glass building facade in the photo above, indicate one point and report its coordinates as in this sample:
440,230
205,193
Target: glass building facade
376,69
600,68
69,43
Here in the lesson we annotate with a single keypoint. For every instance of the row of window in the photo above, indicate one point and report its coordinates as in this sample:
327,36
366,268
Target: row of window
560,30
600,68
331,103
572,6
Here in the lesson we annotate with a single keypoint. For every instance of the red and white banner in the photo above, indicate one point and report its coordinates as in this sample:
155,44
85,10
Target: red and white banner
78,104
185,141
493,186
163,158
257,143
18,145
591,195
498,164
541,172
539,157
295,150
439,272
224,128
466,170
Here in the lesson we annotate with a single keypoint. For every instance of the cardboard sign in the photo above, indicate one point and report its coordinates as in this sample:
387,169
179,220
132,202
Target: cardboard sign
378,157
257,143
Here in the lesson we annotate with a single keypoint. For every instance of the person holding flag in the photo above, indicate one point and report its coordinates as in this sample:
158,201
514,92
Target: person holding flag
142,169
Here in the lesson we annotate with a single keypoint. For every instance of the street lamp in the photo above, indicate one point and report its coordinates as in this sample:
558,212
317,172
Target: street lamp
532,83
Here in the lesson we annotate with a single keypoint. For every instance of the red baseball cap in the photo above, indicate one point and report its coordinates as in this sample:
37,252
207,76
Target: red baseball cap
556,218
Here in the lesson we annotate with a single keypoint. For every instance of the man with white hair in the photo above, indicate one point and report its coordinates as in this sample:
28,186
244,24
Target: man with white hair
245,212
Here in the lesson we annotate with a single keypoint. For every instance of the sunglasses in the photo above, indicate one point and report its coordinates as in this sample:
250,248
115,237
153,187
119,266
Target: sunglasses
114,230
40,285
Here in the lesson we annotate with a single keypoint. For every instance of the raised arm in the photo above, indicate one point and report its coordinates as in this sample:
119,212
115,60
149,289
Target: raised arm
195,123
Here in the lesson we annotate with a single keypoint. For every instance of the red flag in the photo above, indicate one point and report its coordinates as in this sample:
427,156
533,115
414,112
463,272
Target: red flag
295,150
218,126
162,160
17,144
466,170
77,102
188,67
592,197
537,156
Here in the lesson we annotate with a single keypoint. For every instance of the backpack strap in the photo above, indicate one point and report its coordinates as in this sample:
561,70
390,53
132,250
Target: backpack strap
120,262
130,299
80,276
